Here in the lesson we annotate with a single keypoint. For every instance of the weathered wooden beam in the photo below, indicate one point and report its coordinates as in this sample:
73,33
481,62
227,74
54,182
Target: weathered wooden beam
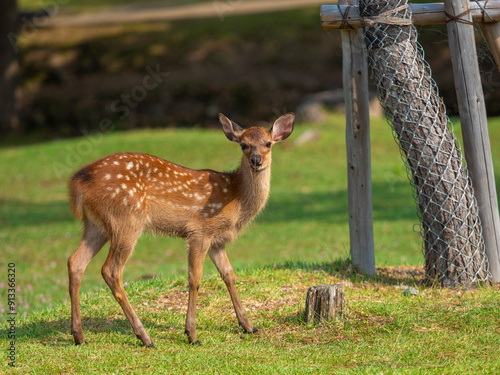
324,303
357,103
474,126
491,32
347,17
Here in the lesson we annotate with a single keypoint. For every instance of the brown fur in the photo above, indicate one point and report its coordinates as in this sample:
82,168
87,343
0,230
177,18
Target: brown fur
124,194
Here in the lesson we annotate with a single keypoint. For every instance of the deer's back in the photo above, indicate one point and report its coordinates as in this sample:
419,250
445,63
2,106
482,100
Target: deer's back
153,194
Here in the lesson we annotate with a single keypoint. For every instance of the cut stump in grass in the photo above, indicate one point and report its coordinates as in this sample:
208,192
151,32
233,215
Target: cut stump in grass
324,303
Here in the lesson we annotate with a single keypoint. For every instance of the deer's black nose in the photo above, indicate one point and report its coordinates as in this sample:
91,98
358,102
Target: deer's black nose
256,160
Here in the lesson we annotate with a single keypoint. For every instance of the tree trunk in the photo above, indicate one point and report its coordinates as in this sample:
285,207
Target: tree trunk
8,66
454,248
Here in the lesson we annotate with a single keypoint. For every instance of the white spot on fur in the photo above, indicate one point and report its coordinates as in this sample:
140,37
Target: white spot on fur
130,165
115,162
119,176
124,186
107,177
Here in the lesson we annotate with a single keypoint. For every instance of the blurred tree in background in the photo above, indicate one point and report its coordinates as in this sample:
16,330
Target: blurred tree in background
8,66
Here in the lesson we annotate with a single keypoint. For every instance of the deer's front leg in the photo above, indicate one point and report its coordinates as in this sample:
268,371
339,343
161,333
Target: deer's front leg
221,261
196,255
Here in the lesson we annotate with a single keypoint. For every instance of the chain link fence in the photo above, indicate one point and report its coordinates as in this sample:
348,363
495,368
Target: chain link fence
450,225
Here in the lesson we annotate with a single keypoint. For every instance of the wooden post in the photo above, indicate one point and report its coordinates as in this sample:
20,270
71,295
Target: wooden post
355,78
491,32
474,126
324,303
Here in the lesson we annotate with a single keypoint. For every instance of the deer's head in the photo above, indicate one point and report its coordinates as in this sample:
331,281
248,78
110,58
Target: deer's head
256,142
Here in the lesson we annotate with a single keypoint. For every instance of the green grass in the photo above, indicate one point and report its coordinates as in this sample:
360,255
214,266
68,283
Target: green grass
383,331
306,217
295,243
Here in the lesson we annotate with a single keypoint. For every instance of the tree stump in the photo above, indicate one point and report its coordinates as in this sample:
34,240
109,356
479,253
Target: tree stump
324,303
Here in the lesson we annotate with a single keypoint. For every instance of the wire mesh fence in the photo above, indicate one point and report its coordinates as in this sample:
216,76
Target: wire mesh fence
450,225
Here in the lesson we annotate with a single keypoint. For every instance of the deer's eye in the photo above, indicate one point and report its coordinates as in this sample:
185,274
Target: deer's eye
244,146
269,144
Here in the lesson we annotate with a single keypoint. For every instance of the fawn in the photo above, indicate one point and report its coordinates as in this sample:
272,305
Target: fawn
124,194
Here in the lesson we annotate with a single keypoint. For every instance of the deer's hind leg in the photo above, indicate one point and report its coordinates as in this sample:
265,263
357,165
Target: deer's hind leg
112,271
92,241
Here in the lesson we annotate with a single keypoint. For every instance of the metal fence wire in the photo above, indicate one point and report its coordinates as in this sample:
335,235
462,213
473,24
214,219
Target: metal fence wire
450,226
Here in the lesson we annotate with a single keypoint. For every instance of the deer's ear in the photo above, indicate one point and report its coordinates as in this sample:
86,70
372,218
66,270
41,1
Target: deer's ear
231,129
282,127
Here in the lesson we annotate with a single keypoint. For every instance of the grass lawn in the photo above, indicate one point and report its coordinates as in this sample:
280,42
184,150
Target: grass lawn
300,240
297,242
383,331
306,218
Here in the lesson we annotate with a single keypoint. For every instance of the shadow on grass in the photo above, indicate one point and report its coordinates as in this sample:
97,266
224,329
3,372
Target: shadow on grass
392,201
57,333
15,213
344,269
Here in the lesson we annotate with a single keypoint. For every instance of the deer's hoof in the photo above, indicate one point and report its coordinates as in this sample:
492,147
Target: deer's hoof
197,342
78,338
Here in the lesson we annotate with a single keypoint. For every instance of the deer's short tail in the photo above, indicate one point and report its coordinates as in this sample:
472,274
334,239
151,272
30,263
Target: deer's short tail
77,192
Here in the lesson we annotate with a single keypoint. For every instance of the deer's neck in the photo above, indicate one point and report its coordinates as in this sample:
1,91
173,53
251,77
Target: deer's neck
253,191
